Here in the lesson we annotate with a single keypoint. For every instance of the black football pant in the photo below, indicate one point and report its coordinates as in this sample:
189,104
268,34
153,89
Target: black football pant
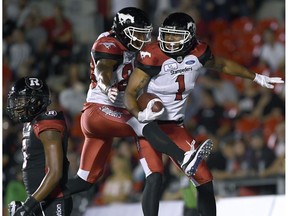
55,207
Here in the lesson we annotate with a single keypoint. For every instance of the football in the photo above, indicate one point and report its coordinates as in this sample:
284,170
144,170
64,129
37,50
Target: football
145,97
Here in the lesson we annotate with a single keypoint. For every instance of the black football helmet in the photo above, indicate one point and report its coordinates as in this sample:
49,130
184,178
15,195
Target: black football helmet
177,34
132,28
27,98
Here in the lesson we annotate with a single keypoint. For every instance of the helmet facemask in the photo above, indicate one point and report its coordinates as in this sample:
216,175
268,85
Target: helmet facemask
173,40
138,36
22,108
18,107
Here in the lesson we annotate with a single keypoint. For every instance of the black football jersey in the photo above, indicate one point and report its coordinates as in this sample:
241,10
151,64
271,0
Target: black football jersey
34,168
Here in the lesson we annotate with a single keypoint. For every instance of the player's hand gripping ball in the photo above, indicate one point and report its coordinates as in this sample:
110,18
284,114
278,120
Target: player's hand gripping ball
144,99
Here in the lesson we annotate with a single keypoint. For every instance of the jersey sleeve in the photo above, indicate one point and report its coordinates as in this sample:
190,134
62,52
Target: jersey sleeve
149,60
107,48
203,52
51,120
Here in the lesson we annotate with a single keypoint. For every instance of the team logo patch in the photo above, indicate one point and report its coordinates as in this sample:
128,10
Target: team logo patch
171,66
143,54
109,112
108,45
190,62
51,113
191,24
33,83
123,18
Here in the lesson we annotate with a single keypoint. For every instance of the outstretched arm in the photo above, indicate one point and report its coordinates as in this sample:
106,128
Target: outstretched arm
233,68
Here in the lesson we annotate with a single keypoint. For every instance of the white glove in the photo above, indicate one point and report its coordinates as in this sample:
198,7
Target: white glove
266,81
112,93
147,114
13,206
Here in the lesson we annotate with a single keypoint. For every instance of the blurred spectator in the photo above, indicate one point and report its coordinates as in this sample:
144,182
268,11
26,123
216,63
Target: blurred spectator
258,101
73,95
262,157
193,103
225,169
6,76
14,8
210,117
118,186
265,7
36,36
181,188
271,52
247,98
8,26
60,39
260,161
268,102
277,143
19,53
242,155
216,160
223,91
127,148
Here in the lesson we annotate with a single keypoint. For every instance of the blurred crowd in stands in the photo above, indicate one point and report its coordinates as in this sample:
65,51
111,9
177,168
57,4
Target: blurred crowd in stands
52,39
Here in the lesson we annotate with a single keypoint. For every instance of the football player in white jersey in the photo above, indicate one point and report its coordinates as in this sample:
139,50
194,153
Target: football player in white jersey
104,115
169,68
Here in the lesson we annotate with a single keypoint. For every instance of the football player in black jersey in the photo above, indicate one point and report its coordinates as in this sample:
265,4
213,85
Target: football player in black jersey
169,68
44,147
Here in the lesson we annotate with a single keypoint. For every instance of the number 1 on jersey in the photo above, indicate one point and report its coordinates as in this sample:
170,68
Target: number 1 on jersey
181,89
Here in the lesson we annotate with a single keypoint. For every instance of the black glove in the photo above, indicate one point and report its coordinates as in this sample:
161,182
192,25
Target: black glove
27,208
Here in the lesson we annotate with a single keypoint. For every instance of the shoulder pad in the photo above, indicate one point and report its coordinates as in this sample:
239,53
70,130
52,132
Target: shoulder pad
108,45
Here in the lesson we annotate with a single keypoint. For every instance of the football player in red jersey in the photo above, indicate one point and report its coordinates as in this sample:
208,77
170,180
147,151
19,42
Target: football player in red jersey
170,68
44,146
104,115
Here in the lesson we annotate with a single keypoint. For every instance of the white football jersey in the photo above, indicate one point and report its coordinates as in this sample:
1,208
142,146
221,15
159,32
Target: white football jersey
172,79
107,47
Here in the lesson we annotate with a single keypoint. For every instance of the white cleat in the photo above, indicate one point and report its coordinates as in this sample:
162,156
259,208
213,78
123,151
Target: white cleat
193,158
